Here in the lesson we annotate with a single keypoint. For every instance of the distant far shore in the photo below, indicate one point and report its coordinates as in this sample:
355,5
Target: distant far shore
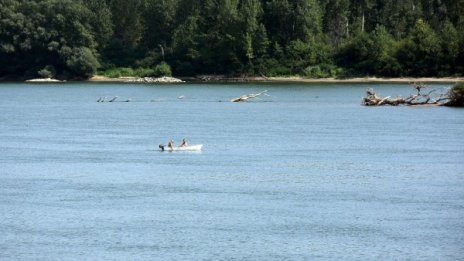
370,80
252,79
215,78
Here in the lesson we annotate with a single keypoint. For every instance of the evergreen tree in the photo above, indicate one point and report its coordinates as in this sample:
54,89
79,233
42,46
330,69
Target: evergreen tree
221,42
277,19
336,22
254,39
101,22
362,13
449,41
400,16
419,52
306,20
185,47
160,19
39,34
128,32
275,37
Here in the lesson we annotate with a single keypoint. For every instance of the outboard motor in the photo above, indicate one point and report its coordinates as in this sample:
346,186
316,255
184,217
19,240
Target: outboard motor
161,146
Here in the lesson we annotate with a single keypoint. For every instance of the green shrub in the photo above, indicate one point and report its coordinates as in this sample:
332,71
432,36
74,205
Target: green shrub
148,61
127,72
456,95
279,71
322,71
117,72
47,72
143,72
162,69
82,62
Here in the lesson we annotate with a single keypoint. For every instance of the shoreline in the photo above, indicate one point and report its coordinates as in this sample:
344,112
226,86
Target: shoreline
376,80
257,79
220,79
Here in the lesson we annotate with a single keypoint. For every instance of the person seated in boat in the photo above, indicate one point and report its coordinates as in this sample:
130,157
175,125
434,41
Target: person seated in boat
184,143
171,144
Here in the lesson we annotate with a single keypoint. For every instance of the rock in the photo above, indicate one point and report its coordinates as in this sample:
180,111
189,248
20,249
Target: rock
163,79
43,80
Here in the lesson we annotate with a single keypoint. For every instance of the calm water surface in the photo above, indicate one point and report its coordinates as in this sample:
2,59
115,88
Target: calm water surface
304,174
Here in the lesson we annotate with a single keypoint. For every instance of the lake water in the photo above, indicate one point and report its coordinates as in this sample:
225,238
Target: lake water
304,174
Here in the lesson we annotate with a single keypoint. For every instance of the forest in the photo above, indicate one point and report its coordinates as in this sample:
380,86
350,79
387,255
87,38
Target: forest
73,39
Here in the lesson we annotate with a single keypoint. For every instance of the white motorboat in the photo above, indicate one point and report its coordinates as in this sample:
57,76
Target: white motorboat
197,147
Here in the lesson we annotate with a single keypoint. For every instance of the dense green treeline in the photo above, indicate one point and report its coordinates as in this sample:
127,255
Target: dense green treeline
311,38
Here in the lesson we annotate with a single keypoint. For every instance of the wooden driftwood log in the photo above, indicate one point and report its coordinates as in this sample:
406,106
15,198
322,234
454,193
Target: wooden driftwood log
244,98
372,99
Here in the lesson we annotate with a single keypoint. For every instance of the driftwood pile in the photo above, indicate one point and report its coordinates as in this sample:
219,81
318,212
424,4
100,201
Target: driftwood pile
429,98
245,98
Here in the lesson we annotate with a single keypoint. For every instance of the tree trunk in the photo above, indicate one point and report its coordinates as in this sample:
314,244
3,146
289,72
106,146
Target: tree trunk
362,22
244,98
372,99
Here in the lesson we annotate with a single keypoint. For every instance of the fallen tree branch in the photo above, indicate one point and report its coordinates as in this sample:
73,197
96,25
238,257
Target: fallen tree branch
372,99
383,100
244,98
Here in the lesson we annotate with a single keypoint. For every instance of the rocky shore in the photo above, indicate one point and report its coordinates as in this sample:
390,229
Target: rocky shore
297,79
221,78
163,79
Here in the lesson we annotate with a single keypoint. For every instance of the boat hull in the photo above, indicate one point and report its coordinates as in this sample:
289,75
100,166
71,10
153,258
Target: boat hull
188,148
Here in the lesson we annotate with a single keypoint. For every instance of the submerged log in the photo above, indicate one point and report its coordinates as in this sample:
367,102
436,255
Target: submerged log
104,99
245,98
373,99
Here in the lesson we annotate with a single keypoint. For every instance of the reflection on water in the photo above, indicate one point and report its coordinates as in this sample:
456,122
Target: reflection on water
306,173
